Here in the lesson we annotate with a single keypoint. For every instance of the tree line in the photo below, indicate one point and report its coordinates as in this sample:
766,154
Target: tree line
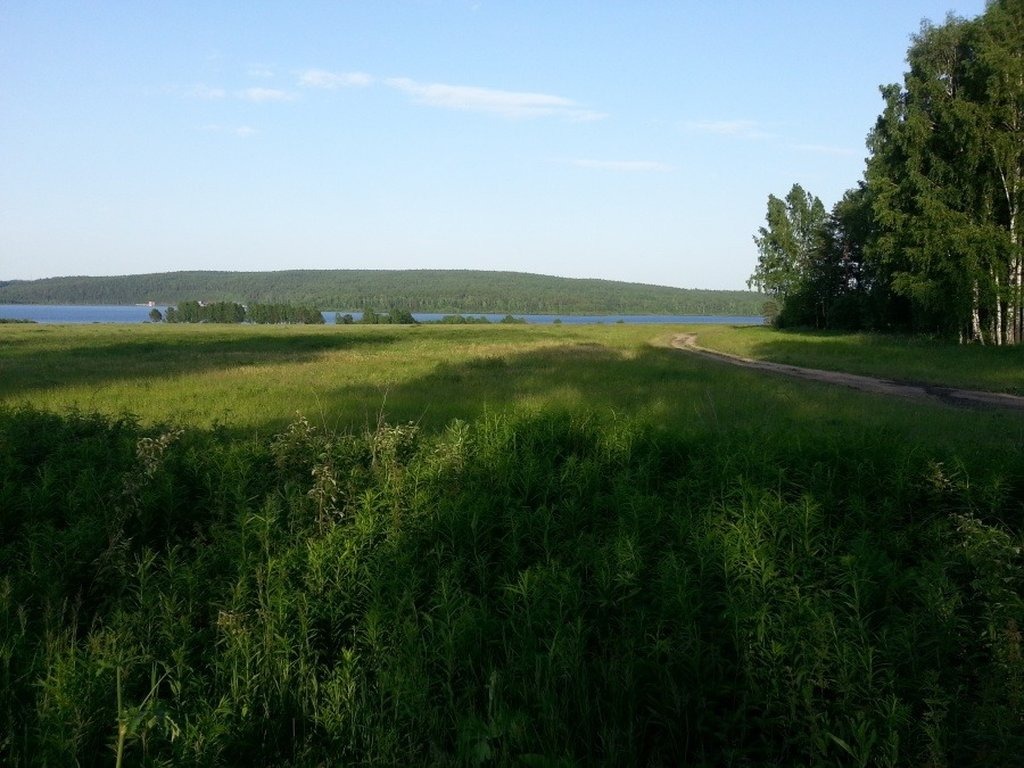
231,312
401,316
930,240
425,291
273,314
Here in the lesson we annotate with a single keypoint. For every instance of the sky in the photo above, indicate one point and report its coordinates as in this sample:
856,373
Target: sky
633,141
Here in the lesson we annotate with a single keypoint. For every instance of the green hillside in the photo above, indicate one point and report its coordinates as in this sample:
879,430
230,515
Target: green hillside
417,290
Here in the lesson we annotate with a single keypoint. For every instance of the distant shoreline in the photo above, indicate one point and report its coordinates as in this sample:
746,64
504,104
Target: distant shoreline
418,291
139,313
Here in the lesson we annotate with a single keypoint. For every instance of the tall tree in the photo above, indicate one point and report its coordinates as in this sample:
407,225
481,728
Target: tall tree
999,90
825,281
786,247
839,281
946,177
915,168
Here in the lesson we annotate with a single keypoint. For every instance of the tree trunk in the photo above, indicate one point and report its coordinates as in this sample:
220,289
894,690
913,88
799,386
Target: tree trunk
1015,267
1009,174
1013,289
1013,304
997,319
976,334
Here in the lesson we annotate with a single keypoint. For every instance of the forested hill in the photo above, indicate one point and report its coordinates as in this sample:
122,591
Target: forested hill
416,290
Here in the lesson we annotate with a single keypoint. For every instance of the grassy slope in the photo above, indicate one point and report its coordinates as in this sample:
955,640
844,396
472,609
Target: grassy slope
445,291
996,369
628,556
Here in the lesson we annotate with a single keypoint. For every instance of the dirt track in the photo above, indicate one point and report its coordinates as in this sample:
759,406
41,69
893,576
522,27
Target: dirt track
964,398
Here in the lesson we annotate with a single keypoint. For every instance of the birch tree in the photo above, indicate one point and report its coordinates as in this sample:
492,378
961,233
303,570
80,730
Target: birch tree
920,158
946,177
786,246
999,86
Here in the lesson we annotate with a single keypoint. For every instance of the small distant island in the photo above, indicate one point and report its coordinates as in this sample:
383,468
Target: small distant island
435,291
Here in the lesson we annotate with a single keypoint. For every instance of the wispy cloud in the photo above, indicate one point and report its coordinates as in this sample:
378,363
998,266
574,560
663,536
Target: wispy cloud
321,78
205,92
261,95
823,149
738,129
623,166
510,104
241,131
259,70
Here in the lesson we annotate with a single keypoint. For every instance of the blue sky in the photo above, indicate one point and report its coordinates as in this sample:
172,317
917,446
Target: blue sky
632,141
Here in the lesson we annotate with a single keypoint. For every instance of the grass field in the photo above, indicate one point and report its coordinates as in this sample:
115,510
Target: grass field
257,379
252,378
914,359
536,546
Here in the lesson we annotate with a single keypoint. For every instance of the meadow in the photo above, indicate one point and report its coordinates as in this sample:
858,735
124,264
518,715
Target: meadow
918,359
467,545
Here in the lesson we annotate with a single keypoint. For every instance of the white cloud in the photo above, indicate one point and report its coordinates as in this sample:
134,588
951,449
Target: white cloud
321,78
626,166
739,129
511,104
260,95
258,70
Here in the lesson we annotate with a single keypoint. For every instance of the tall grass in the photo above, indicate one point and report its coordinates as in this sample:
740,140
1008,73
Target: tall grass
533,586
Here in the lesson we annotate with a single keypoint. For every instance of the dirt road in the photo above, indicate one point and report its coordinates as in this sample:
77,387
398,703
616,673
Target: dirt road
964,398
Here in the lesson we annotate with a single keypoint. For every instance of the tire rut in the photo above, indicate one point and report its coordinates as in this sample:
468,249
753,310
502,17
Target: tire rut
953,396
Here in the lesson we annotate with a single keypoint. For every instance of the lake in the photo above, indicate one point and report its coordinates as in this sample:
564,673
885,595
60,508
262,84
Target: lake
58,313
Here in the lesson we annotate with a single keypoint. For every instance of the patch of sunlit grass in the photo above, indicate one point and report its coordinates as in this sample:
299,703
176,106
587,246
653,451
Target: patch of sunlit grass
904,358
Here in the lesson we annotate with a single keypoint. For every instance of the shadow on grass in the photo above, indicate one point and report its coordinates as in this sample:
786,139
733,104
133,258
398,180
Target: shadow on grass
609,584
666,387
27,370
571,376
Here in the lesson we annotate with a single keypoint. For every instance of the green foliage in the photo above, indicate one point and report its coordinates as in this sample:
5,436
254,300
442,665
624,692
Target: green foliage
400,316
931,168
812,264
528,588
787,246
933,240
202,312
394,316
442,291
229,312
273,314
470,320
463,320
